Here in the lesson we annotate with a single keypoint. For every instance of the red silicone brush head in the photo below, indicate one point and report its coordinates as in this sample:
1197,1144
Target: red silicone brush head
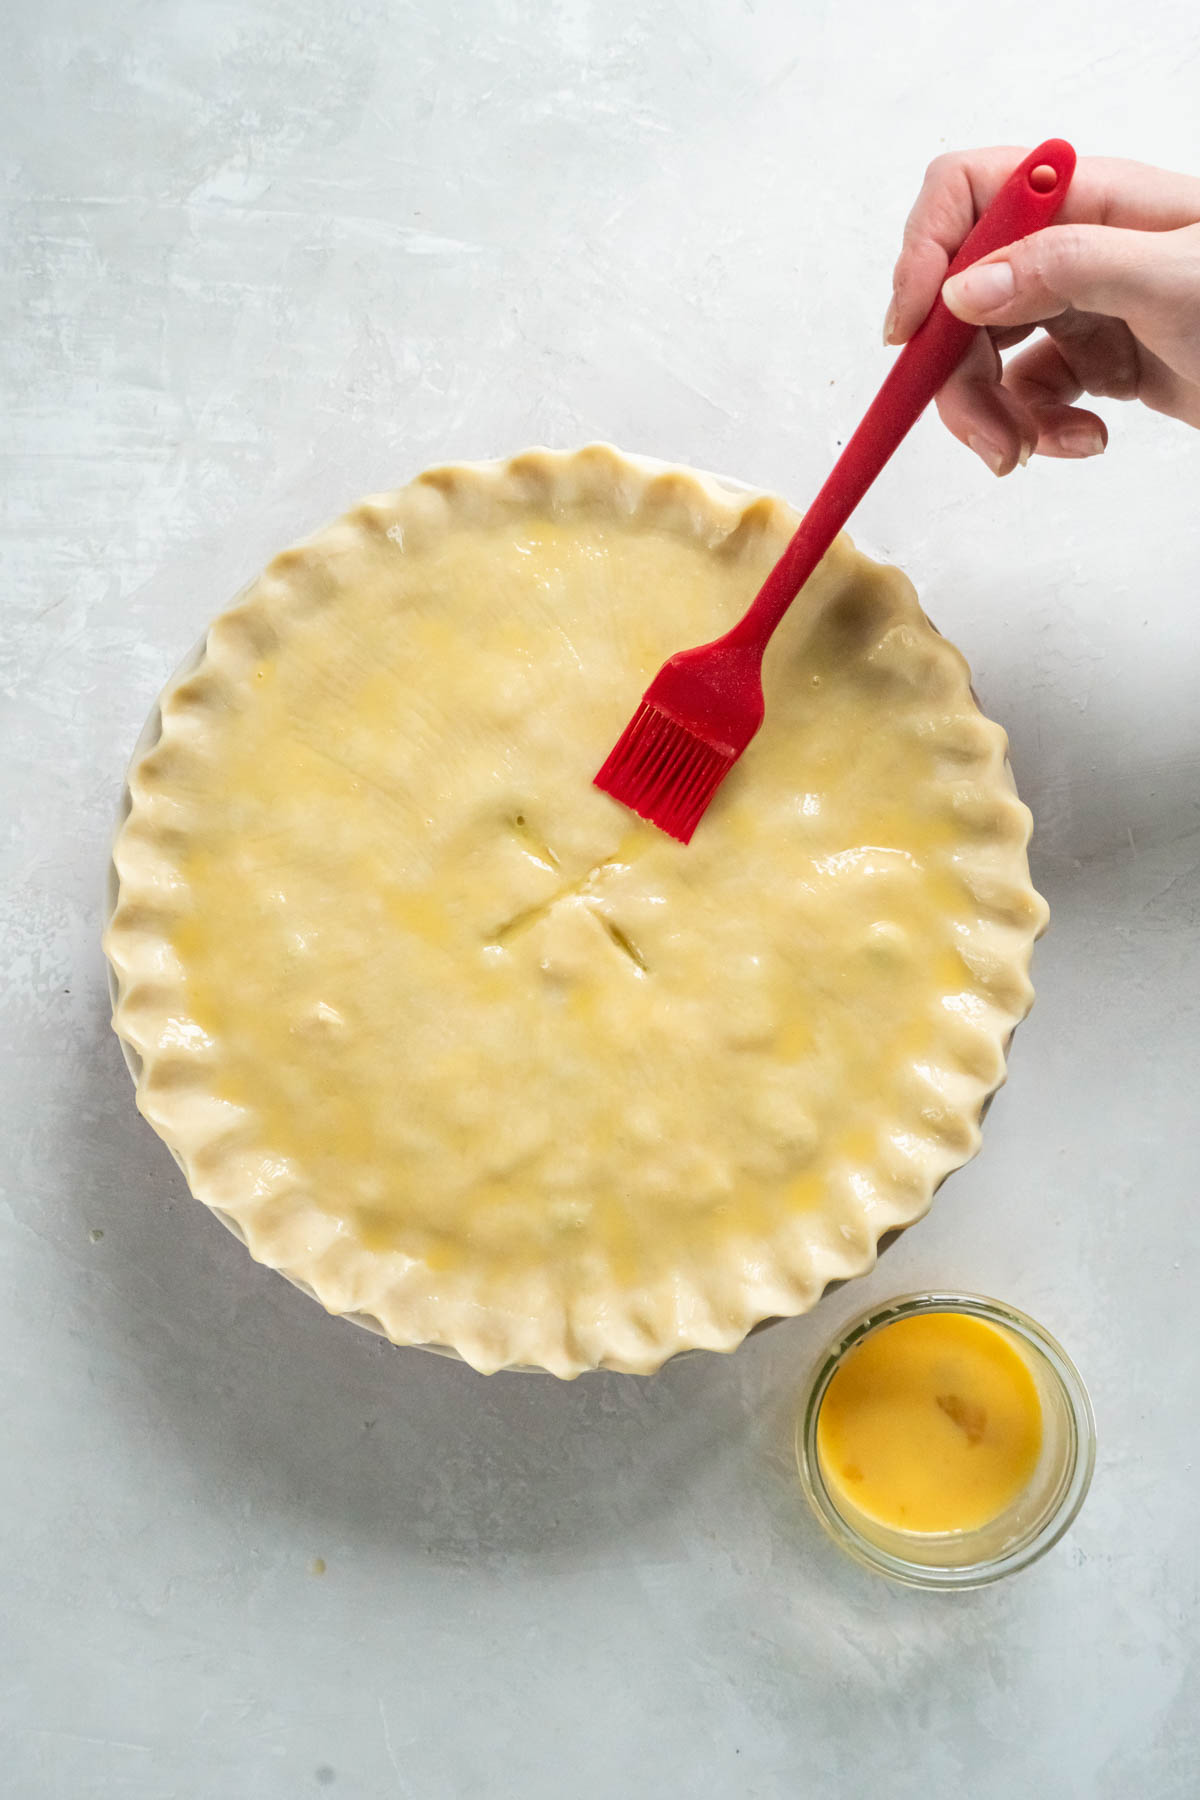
664,772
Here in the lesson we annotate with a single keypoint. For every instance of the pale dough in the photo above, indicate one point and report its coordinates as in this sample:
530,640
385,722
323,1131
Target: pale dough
461,1043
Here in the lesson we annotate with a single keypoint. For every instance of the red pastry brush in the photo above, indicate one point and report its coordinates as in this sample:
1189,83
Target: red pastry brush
704,705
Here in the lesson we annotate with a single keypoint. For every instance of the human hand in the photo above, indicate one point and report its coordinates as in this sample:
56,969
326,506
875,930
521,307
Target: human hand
1115,286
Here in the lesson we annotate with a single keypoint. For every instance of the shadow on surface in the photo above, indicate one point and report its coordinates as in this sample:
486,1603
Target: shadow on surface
1115,787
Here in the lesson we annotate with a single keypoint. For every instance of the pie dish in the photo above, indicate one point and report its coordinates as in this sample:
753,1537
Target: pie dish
475,1056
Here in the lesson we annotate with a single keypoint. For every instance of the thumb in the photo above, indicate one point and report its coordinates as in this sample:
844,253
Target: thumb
1093,268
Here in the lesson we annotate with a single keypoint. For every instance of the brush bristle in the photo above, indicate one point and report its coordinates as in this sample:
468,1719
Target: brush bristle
664,772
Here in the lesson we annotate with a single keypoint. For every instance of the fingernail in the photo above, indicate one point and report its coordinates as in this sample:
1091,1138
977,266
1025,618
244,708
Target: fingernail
1080,440
1025,454
980,289
991,454
889,323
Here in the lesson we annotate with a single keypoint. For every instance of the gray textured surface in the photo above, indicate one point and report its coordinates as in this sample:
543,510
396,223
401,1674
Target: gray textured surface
262,259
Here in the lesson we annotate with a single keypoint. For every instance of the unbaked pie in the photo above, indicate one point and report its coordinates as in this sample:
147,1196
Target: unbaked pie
470,1052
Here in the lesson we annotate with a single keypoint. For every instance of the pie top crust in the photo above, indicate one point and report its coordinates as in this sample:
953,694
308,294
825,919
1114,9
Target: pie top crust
468,1051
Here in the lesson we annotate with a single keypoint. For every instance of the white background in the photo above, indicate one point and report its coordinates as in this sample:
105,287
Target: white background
264,258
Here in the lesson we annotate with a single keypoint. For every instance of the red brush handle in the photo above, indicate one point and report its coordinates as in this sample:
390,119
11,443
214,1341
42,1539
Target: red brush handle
926,361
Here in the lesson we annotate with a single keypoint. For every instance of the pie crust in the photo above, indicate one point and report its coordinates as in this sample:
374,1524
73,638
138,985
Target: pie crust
471,1054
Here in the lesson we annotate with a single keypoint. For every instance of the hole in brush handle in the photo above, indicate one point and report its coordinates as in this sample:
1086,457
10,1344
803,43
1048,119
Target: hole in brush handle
1043,179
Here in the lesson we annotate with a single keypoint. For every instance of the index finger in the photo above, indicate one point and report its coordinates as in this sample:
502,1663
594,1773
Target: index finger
960,185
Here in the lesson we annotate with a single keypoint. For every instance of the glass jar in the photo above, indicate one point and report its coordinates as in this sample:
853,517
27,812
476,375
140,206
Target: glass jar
1027,1528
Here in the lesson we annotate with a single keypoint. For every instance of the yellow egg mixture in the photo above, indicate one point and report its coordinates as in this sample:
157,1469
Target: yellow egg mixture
488,1025
931,1424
